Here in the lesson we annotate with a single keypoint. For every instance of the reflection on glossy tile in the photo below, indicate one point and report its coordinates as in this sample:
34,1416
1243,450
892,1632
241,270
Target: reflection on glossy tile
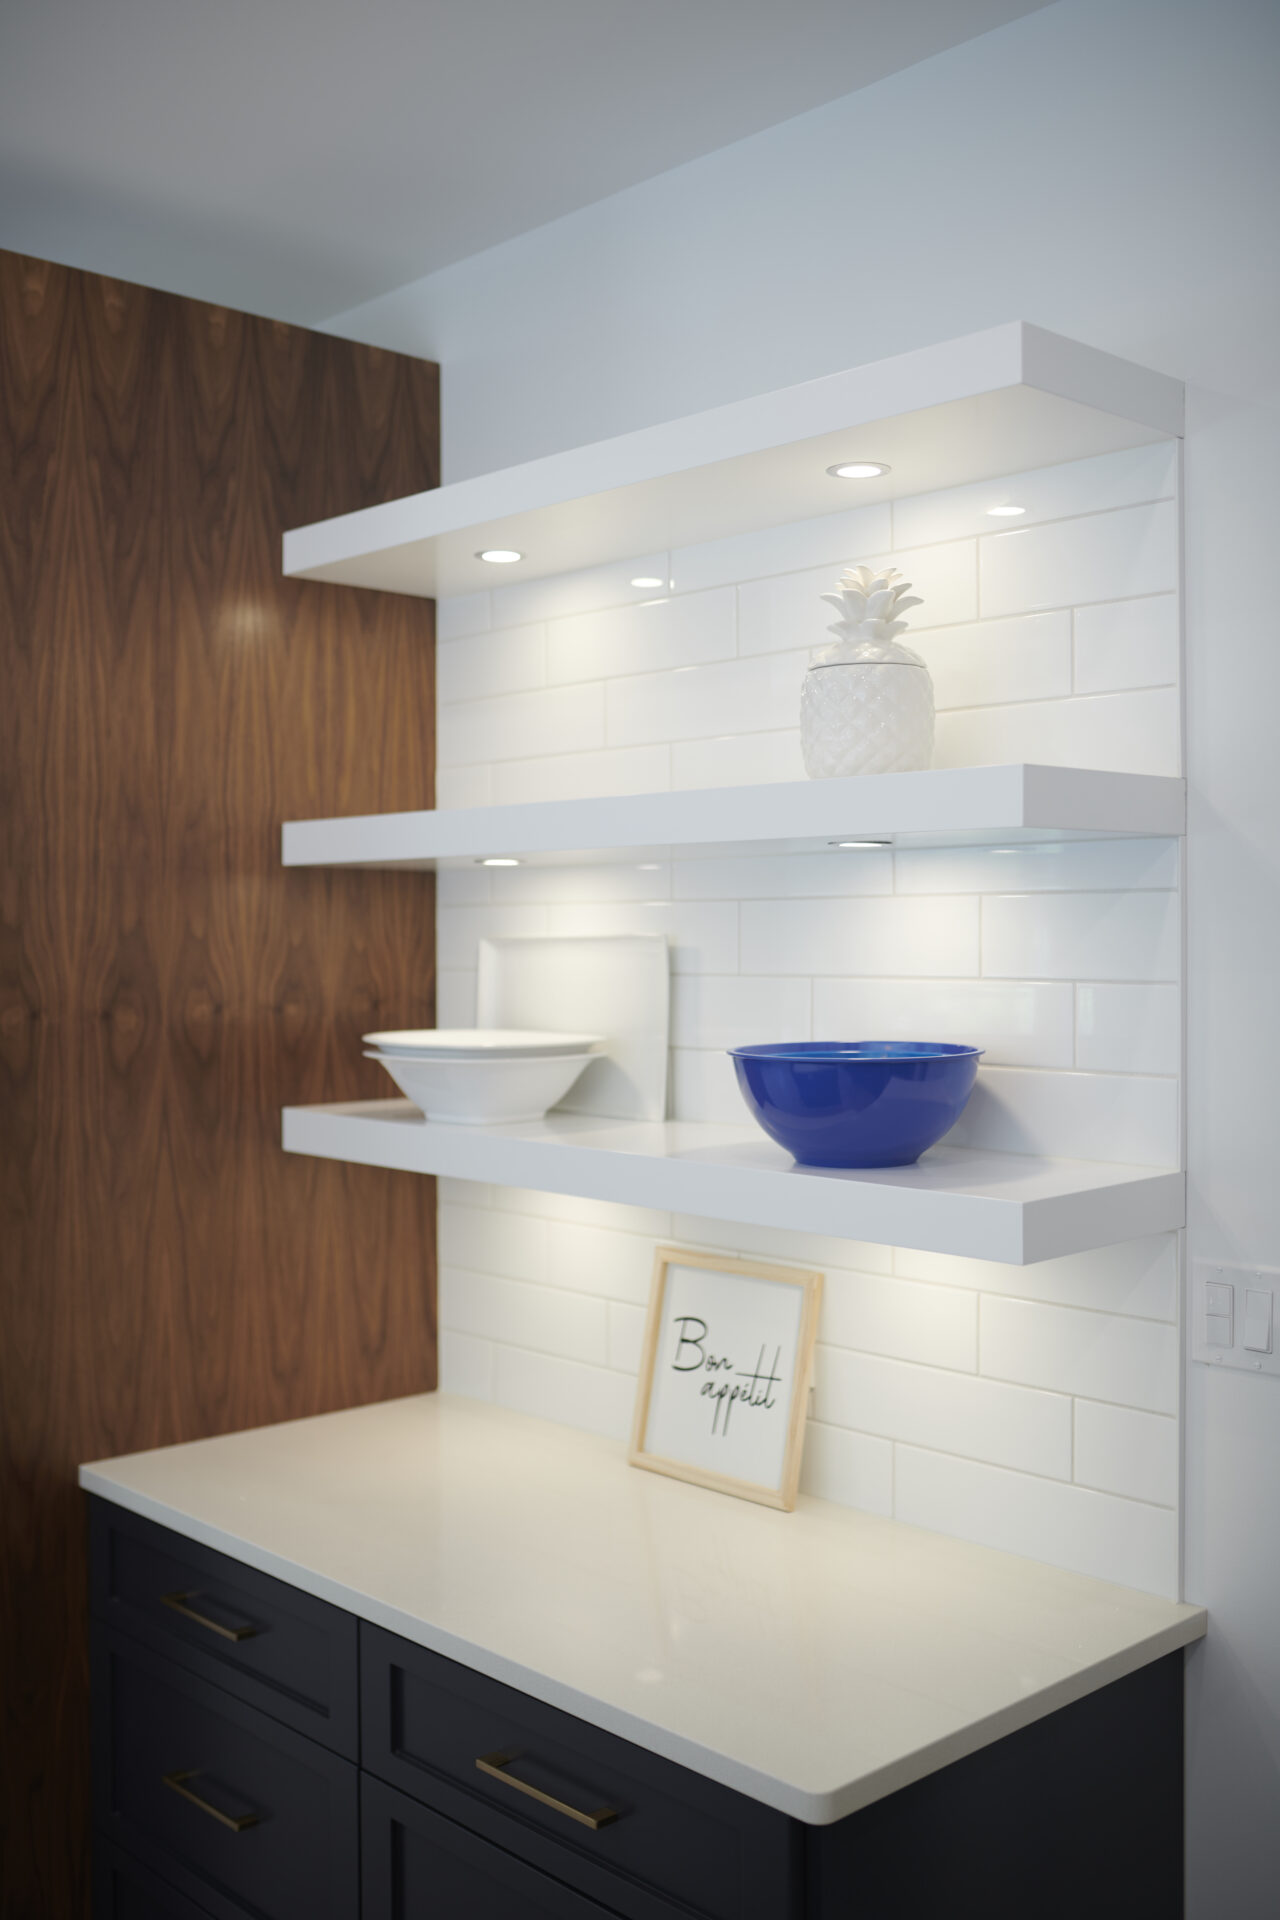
1027,1023
1106,556
1081,936
1105,1356
683,631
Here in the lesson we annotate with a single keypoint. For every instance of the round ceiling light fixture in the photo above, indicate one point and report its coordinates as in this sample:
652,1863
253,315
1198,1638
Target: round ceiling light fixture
499,556
858,470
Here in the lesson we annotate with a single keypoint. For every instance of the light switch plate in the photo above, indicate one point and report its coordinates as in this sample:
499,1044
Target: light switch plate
1235,1317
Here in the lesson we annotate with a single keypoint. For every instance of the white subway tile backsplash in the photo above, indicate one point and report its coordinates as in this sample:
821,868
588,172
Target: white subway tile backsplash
901,1319
1115,732
458,929
737,760
560,719
1124,479
1083,1116
960,1412
1120,1451
1081,936
703,1087
560,594
545,1319
853,1469
1104,1356
784,876
490,1240
737,1010
626,1336
465,1365
703,934
998,661
598,1260
832,540
551,1388
455,997
1129,1029
582,776
786,613
490,664
1046,866
581,886
1073,1527
685,631
1027,1023
1136,1277
575,1211
458,614
1127,643
1105,556
464,786
738,696
868,935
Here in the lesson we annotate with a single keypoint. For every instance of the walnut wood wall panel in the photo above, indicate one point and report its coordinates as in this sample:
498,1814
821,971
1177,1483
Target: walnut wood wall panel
165,986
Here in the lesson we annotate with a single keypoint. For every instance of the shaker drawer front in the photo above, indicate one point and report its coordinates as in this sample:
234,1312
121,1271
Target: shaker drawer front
125,1889
632,1831
420,1866
232,1808
276,1648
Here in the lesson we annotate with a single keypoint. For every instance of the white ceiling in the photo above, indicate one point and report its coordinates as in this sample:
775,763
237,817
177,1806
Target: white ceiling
297,157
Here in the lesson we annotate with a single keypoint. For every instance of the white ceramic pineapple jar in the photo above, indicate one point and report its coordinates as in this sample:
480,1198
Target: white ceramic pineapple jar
867,704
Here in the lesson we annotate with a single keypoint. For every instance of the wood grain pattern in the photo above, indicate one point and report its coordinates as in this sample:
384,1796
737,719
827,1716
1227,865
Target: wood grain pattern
165,986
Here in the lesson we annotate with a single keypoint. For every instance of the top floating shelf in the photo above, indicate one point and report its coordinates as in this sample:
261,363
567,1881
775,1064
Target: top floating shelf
992,403
949,806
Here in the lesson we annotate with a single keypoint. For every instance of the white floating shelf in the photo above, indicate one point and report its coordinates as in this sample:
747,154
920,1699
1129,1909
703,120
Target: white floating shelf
986,1206
989,404
948,807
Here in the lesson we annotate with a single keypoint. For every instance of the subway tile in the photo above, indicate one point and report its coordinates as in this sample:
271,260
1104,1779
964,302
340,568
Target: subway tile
705,1088
703,933
557,886
463,787
1136,1277
1120,1451
467,886
1072,1527
626,1336
690,703
460,614
465,1365
1082,1116
591,1398
559,719
491,664
832,540
1080,936
546,1319
686,631
782,1244
982,1419
1042,866
582,776
1129,1029
784,876
787,613
869,935
608,1215
458,929
561,594
902,1319
852,1469
467,1193
455,997
1108,480
598,1260
737,760
998,661
1127,643
1114,732
1104,1356
484,1240
1018,1023
737,1010
1105,556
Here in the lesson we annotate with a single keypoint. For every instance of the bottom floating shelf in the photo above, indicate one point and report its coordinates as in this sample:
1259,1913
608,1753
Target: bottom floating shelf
985,1206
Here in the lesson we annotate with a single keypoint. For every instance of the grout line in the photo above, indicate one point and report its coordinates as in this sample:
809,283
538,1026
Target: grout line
1024,1473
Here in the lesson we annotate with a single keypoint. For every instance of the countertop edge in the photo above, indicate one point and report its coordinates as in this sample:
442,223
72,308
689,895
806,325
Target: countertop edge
813,1809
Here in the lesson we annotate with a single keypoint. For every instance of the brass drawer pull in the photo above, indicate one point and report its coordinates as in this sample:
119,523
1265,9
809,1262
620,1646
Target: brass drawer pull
236,1821
496,1764
181,1603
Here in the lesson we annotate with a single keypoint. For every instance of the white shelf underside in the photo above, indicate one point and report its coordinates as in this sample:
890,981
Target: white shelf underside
945,807
989,404
989,1206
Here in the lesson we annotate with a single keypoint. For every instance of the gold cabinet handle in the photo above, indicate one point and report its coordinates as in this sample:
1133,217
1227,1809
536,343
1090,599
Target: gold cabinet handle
236,1821
496,1764
181,1603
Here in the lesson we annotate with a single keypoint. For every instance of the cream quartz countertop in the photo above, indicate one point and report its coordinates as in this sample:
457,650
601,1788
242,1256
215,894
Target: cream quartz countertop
815,1661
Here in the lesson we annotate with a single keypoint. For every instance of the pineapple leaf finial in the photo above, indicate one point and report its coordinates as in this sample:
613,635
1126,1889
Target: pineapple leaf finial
870,603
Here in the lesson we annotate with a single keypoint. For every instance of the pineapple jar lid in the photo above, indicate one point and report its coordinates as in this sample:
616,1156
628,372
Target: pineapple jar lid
870,605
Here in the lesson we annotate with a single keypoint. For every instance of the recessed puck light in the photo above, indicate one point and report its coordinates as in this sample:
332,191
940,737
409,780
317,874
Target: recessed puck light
499,556
648,580
858,470
859,843
1005,513
495,861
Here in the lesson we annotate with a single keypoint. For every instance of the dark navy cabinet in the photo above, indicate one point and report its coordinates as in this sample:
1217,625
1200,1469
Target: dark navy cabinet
260,1755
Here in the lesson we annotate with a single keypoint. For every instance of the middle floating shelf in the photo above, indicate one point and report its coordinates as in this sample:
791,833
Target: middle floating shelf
950,806
1014,1208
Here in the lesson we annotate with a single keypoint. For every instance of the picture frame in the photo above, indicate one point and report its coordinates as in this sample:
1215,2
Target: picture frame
725,1371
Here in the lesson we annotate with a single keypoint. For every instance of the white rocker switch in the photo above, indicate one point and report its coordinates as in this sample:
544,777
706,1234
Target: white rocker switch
1257,1319
1219,1303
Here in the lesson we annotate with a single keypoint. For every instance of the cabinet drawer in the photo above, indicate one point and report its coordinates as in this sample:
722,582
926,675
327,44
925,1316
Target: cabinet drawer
125,1889
276,1648
636,1833
420,1866
230,1807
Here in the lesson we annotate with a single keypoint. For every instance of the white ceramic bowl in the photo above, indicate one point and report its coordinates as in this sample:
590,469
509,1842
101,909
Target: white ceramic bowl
478,1092
480,1043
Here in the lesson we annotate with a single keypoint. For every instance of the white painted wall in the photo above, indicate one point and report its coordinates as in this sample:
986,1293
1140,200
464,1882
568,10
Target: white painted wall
1107,168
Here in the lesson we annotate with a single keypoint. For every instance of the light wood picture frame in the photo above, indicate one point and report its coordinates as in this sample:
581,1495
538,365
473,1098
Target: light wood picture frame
724,1375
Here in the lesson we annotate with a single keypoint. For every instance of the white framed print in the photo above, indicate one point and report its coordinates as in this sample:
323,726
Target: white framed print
724,1375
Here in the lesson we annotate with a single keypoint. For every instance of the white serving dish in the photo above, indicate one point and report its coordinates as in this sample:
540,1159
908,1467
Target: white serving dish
480,1092
481,1043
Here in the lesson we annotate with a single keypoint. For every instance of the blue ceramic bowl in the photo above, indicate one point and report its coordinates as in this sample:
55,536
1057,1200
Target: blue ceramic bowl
856,1103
